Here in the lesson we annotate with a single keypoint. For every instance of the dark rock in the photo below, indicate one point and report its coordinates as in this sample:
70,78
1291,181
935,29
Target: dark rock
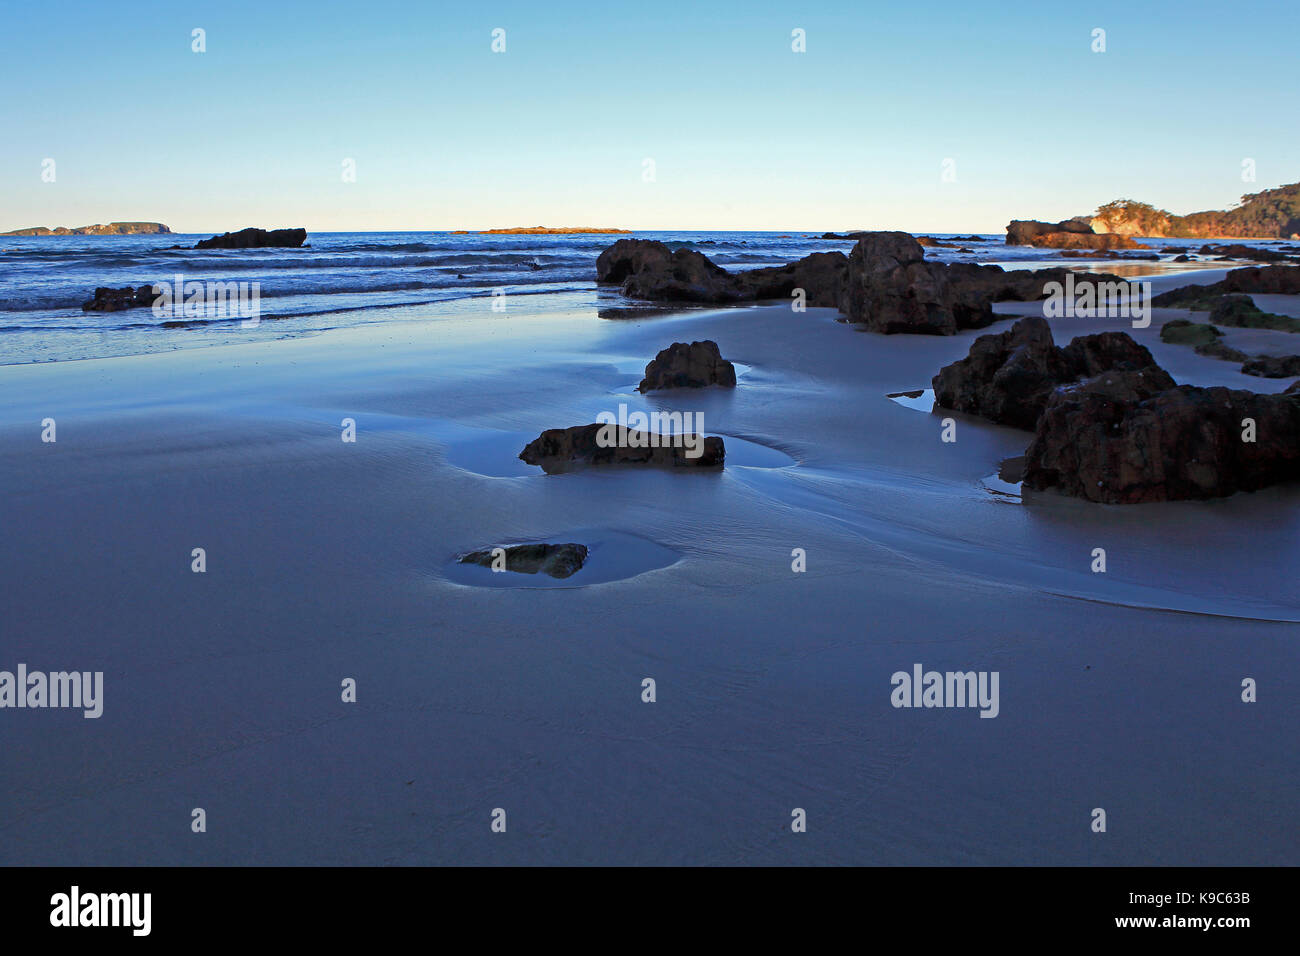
821,275
1009,376
1183,258
647,269
1273,366
696,365
255,239
557,560
559,450
1124,437
114,300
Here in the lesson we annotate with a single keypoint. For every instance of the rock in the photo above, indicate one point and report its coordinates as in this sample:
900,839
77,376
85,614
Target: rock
1293,389
1263,280
647,269
1218,350
559,450
1068,234
1239,251
1009,376
255,239
885,283
557,560
821,275
114,300
1273,366
1239,310
891,288
1183,258
696,365
1124,437
1184,332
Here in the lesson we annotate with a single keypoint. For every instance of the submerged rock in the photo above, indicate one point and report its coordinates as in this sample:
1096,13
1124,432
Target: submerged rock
114,300
696,365
1008,377
557,560
558,450
255,239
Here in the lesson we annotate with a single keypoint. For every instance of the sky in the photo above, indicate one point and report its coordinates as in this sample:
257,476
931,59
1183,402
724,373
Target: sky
928,117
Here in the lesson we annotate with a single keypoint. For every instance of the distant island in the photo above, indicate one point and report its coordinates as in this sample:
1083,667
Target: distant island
1271,214
541,231
100,229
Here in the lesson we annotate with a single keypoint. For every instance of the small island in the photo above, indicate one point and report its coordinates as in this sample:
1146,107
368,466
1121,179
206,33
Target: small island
544,231
99,229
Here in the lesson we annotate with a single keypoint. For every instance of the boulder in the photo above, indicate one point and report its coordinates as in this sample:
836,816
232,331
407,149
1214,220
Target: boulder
696,365
1008,377
821,275
1125,437
559,450
557,560
255,239
114,300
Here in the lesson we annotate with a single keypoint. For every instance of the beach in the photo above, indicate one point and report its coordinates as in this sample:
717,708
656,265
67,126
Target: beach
329,560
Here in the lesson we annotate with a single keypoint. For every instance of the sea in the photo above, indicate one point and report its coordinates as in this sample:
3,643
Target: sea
343,279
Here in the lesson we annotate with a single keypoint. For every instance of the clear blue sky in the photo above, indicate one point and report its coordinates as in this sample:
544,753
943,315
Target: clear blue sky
744,133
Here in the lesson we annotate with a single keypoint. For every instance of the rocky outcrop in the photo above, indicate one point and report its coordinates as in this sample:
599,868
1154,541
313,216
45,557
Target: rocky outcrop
559,450
556,560
99,229
892,288
648,269
1124,438
114,300
696,365
1008,377
1067,234
885,283
255,239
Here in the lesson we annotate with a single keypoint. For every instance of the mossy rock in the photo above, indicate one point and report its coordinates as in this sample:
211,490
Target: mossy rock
1183,332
